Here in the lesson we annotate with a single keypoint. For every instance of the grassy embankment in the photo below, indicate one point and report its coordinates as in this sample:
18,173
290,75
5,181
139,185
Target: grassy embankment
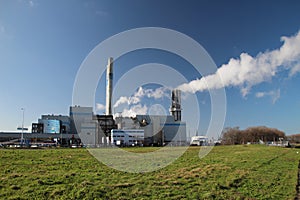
228,172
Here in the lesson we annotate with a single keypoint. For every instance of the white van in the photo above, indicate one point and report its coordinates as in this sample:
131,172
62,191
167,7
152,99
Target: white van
199,141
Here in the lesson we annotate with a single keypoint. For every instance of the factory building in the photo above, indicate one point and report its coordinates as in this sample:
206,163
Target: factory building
54,129
64,121
105,124
54,124
79,115
94,130
159,129
50,125
102,130
88,133
126,123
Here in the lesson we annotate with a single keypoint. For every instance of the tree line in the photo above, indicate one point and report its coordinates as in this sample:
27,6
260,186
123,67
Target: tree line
294,138
233,135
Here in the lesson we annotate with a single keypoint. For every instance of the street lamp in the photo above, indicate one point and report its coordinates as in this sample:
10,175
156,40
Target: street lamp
22,134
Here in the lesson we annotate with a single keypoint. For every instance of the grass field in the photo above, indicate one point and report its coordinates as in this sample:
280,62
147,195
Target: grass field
228,172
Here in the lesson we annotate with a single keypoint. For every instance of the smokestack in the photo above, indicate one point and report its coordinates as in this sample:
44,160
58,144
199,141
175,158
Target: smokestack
109,85
176,104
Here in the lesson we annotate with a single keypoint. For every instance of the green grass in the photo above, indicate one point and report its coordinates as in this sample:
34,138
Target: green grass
228,172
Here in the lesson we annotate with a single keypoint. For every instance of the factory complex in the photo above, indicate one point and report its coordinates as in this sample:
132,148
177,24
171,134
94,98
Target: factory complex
85,128
103,130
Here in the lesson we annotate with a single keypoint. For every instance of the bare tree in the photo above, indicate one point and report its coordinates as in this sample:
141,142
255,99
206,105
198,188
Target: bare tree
252,134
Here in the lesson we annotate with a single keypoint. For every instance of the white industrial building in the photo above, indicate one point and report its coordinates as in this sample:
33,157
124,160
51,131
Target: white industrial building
127,137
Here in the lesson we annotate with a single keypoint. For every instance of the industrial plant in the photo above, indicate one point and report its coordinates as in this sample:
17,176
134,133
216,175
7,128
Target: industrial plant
82,127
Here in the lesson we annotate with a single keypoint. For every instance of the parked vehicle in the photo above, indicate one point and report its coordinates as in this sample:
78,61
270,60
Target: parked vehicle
199,141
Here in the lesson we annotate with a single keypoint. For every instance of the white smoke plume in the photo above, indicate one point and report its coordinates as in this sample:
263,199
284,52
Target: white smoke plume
135,110
294,70
243,72
274,94
247,71
141,93
133,102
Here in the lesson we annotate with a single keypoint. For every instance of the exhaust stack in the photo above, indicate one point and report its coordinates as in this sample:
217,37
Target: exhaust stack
109,86
176,105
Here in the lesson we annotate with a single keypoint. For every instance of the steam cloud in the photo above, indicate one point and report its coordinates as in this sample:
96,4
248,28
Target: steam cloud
243,72
247,71
135,108
141,93
274,94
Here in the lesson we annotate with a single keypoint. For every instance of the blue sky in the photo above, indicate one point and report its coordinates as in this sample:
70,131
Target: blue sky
43,43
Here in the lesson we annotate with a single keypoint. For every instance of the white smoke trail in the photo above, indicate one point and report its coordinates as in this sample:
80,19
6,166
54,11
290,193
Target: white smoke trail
135,110
133,102
274,94
247,71
141,93
243,72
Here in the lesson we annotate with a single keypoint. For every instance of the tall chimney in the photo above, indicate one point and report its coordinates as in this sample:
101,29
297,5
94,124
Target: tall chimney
176,105
109,86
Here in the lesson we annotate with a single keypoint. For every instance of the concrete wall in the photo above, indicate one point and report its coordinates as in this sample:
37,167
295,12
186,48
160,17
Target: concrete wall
88,134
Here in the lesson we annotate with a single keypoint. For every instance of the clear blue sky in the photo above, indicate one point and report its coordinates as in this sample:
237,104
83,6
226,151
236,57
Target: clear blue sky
43,43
